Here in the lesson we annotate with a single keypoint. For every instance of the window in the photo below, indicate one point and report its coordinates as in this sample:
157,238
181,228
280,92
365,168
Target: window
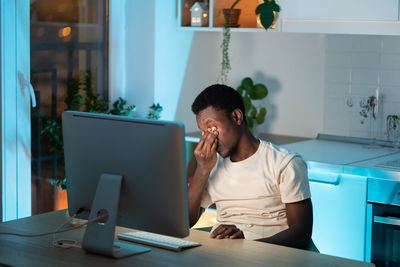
69,51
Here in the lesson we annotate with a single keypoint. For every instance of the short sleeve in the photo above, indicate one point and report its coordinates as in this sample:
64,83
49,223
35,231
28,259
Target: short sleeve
205,199
293,181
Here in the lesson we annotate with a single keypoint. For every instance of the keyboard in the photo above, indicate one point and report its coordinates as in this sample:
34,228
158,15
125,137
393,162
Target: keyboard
156,240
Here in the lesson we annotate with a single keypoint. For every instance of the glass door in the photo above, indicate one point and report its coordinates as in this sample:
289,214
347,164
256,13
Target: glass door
385,245
16,96
68,46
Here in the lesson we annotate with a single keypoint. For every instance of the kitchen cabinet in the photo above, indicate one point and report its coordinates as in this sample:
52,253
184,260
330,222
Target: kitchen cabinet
341,16
339,173
363,10
339,209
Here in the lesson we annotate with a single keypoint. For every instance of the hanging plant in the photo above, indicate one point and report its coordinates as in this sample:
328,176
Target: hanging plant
267,12
368,108
225,64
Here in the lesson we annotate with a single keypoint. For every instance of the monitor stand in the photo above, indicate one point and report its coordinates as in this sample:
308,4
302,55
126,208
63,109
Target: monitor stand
99,236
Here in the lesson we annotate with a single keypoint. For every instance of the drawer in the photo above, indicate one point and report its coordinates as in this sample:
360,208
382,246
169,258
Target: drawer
383,191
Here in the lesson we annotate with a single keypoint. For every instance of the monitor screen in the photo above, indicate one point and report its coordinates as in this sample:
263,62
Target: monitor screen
149,155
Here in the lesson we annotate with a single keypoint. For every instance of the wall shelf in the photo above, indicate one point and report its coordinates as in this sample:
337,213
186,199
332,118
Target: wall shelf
247,18
304,16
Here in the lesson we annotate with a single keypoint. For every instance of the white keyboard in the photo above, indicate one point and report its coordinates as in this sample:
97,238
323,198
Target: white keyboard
156,240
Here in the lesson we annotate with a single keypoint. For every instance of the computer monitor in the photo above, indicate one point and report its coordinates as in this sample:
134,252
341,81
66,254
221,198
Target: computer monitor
129,168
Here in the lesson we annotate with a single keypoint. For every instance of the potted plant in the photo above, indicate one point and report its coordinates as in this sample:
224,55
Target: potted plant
393,129
82,97
249,92
268,12
232,15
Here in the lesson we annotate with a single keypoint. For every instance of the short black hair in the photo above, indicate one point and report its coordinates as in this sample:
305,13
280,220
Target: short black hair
221,97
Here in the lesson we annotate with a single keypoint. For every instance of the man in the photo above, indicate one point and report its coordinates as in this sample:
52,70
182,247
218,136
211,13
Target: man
261,191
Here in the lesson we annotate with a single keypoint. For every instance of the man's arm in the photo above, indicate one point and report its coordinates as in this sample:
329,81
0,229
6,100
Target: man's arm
300,219
206,157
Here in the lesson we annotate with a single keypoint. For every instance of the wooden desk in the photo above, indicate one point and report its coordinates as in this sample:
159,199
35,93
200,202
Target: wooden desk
22,251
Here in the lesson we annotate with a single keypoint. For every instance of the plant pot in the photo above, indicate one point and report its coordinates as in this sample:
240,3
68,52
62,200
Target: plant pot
231,16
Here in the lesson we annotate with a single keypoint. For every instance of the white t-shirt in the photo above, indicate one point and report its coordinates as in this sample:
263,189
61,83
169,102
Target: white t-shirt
252,193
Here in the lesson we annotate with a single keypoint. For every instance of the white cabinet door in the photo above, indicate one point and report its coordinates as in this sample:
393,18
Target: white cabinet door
16,95
339,207
370,10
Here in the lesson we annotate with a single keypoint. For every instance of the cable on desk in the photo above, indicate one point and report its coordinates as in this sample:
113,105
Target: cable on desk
64,243
57,231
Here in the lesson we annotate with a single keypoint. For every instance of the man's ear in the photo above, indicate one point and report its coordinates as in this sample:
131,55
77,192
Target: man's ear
237,116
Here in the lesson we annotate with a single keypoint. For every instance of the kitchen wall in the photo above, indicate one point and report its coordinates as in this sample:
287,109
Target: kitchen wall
170,66
309,76
289,64
357,66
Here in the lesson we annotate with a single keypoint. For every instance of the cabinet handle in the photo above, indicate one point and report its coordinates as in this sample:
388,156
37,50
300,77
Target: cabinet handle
387,220
326,178
316,181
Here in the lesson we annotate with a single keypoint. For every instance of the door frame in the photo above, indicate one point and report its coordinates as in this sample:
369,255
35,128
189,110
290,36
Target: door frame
15,110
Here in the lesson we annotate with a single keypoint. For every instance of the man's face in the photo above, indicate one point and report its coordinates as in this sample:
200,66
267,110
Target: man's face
228,130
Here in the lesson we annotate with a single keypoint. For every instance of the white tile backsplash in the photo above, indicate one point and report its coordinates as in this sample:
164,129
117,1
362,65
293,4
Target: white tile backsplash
391,44
391,78
391,94
363,90
364,60
337,75
372,44
336,90
360,64
339,43
391,61
365,76
337,59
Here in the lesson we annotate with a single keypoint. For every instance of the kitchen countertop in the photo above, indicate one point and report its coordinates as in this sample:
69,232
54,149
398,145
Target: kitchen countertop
348,158
335,152
374,168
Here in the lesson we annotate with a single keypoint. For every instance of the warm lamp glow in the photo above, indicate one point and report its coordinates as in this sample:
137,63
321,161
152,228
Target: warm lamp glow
64,32
196,9
204,15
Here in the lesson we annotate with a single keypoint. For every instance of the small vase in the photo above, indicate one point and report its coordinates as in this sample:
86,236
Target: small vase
232,17
372,134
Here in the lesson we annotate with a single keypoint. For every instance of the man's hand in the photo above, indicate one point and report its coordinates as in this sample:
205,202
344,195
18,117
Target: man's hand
230,231
206,151
206,157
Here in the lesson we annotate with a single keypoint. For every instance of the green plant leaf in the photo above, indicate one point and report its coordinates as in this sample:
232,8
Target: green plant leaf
266,12
260,8
273,5
261,116
240,90
247,104
250,124
247,83
253,112
235,3
267,18
259,91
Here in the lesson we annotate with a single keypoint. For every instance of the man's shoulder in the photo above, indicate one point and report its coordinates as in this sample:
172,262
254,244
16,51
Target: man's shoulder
275,150
279,155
